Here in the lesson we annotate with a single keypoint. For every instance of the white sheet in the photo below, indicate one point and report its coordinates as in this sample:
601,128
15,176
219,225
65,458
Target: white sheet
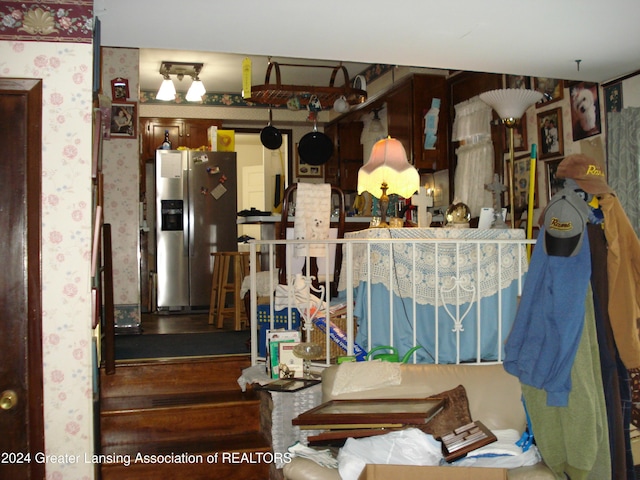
313,217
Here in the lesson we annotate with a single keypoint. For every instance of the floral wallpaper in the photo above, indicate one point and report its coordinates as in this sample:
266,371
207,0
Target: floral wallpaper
66,72
121,192
53,20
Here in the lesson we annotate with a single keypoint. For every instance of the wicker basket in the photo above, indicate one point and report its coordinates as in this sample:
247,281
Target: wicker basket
335,351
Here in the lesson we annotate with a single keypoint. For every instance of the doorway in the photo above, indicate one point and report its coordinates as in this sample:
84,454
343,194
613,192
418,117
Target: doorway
21,389
257,168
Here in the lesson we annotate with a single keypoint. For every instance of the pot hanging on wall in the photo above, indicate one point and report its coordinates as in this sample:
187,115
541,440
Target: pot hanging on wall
270,136
315,148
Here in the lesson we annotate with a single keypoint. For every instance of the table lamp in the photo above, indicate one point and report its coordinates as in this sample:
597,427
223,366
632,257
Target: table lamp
510,104
389,171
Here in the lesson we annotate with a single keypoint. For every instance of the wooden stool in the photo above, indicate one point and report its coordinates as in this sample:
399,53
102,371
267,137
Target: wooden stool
234,266
216,282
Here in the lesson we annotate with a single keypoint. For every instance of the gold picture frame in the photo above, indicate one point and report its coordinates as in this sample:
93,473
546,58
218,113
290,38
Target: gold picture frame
550,136
519,136
552,89
521,180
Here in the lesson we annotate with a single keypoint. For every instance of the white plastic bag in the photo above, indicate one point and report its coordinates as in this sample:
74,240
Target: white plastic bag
403,447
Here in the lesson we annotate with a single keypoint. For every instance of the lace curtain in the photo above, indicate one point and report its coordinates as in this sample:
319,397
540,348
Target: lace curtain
472,126
623,173
474,171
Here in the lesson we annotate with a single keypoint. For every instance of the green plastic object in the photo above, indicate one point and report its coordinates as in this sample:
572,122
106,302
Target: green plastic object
391,355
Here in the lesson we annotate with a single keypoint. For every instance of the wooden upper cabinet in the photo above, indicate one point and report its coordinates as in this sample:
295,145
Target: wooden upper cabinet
153,135
197,133
407,106
332,167
400,116
342,168
351,154
191,133
349,134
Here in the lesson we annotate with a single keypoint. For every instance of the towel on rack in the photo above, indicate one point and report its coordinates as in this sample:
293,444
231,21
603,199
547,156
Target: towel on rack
312,218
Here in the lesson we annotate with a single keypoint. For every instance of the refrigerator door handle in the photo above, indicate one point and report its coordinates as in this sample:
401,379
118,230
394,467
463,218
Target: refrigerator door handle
185,242
191,232
186,214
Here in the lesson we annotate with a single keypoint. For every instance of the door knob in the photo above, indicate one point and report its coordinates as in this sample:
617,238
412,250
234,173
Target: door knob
8,400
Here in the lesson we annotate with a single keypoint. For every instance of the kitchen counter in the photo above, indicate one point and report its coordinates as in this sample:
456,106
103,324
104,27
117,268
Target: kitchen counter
268,226
276,218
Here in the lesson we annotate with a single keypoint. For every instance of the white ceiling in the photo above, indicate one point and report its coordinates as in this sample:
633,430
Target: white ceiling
541,38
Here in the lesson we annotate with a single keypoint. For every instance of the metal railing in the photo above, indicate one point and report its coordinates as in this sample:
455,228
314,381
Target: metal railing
455,299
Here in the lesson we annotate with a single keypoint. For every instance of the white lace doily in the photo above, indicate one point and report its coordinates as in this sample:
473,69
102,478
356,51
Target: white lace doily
466,271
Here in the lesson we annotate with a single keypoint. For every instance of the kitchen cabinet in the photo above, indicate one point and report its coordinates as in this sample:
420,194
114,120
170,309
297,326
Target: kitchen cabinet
342,168
407,105
351,155
332,167
190,133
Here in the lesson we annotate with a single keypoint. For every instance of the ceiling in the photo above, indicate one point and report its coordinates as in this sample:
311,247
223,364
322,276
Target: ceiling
541,38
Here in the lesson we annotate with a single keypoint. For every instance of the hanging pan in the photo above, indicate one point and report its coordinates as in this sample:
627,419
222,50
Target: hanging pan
270,136
315,148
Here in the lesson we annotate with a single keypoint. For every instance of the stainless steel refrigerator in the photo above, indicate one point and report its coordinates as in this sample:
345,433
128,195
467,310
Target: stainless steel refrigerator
196,212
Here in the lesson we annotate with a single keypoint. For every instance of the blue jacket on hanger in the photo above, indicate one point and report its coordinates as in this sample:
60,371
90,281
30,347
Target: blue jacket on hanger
541,347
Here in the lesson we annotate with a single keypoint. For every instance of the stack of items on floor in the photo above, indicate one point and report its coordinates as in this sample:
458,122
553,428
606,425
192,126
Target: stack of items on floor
575,336
471,394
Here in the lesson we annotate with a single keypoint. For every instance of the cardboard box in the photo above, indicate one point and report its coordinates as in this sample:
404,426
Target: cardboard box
412,472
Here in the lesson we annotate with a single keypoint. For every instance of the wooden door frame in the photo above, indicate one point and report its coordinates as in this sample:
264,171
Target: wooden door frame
31,89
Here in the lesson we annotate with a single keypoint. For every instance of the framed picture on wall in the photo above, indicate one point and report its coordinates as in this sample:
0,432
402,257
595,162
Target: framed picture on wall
550,139
585,110
613,97
119,89
518,81
552,89
521,177
123,120
307,170
519,136
554,184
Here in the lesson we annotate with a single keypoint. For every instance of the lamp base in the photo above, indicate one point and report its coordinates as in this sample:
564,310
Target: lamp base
384,205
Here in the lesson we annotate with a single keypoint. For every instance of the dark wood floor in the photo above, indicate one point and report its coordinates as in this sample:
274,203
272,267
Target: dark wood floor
178,323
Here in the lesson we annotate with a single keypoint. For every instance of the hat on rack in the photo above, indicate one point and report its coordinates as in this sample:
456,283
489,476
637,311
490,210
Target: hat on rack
588,173
565,220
